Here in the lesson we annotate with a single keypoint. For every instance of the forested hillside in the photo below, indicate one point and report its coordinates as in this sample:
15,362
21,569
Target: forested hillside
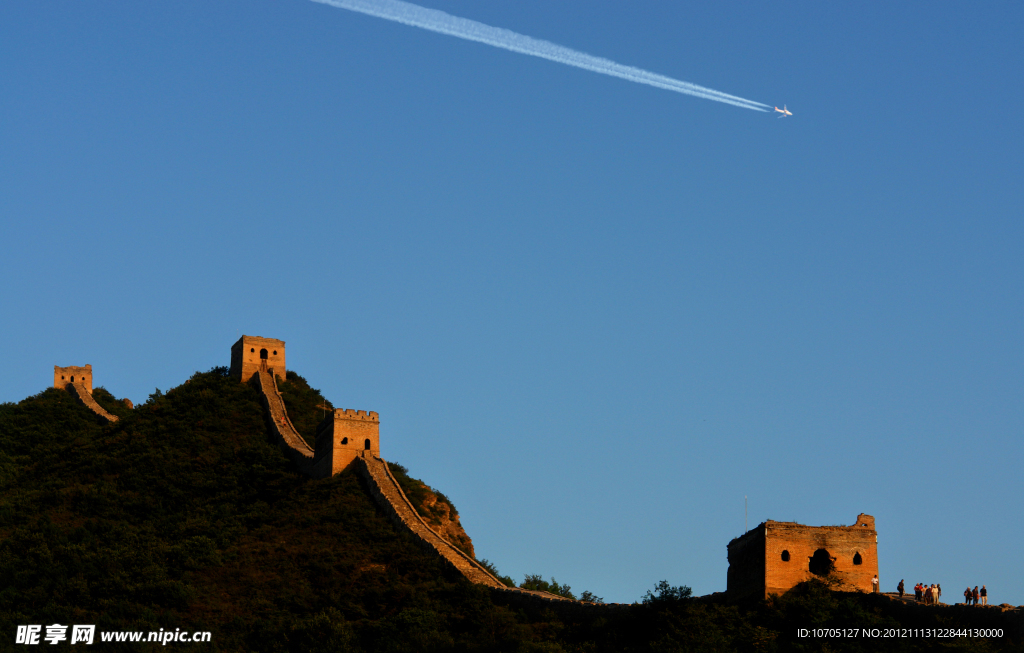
181,515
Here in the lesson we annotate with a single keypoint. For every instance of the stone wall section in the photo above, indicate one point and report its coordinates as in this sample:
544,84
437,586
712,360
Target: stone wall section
83,394
396,505
445,520
282,429
392,500
384,488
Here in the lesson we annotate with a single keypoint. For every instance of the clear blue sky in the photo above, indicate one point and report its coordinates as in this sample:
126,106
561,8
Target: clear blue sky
595,314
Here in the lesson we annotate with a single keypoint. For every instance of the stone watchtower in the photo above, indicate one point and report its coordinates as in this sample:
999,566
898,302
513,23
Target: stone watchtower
252,353
775,556
62,376
342,437
78,381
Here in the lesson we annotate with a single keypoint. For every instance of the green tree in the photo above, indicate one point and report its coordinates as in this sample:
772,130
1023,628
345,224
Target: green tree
667,593
489,566
536,583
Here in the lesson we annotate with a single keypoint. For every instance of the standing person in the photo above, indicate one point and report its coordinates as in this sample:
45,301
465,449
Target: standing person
899,588
975,595
938,592
874,584
984,595
967,596
917,592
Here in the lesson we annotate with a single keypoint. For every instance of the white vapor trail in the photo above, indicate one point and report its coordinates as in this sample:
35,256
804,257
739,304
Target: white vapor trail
443,23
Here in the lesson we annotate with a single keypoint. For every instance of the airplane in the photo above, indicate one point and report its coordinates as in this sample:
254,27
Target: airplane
784,111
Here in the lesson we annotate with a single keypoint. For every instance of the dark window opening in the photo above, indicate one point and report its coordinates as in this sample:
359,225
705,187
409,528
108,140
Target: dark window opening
785,556
821,563
252,350
72,379
62,378
275,352
263,354
344,440
366,445
857,559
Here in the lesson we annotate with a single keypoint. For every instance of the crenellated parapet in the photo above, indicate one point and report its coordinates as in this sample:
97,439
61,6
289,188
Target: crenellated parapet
361,415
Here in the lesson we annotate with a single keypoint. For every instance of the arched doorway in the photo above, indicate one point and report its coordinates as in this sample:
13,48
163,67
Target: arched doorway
263,360
821,563
366,444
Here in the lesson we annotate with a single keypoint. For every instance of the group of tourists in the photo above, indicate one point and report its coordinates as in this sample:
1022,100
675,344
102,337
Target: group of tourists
927,594
930,594
971,596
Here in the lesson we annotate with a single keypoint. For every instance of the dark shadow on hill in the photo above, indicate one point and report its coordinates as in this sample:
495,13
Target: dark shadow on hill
182,515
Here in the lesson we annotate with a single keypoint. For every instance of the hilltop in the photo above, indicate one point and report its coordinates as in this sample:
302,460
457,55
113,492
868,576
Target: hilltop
182,515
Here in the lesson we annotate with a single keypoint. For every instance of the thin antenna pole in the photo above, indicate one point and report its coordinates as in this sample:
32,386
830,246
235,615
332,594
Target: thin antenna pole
744,513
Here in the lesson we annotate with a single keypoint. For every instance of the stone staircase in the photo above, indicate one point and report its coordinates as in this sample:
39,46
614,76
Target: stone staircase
80,391
397,506
287,438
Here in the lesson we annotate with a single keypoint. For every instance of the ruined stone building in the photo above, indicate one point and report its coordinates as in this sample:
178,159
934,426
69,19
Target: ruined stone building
773,557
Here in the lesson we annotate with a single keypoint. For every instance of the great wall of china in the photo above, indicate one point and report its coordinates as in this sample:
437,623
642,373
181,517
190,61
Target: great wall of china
345,438
334,453
350,438
281,428
374,470
65,378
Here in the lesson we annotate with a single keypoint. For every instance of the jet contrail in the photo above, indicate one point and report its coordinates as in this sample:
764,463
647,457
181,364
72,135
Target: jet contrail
438,21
